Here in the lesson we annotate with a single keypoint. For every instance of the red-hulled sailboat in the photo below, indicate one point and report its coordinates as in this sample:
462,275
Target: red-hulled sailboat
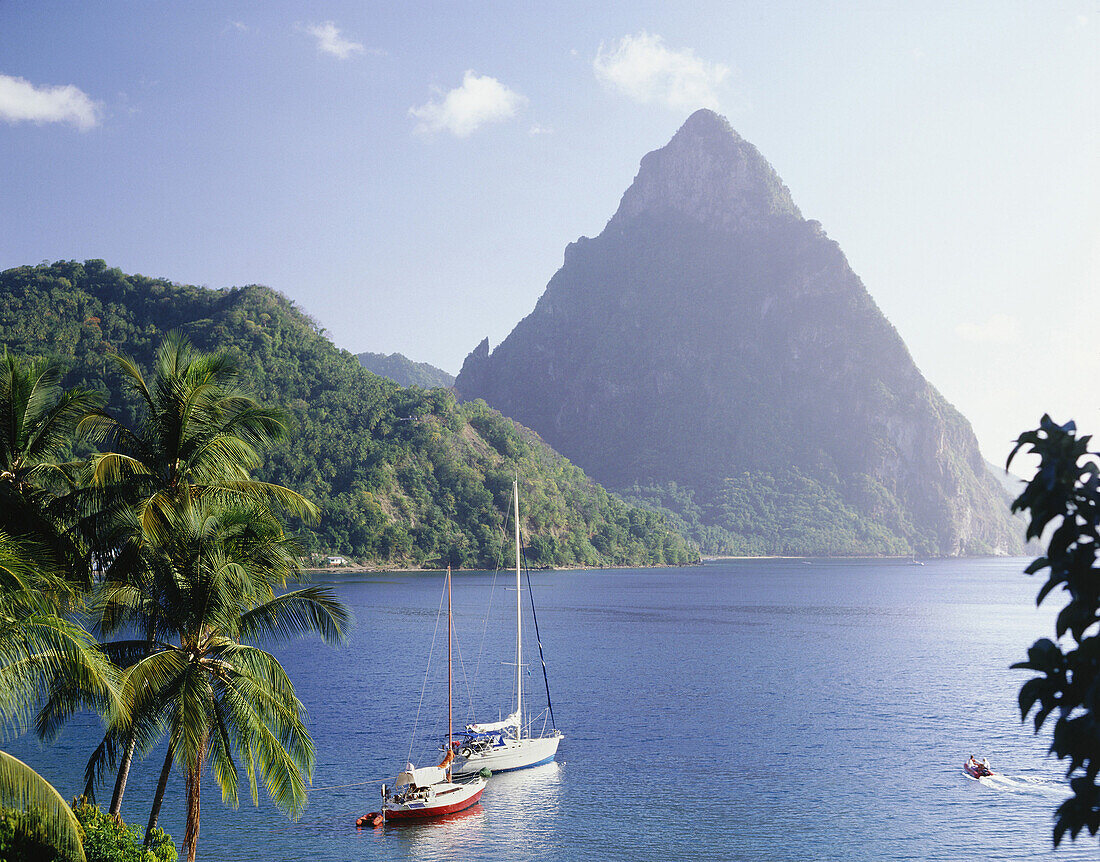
429,792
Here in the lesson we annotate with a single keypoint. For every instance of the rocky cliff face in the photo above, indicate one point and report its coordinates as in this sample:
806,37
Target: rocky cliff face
711,352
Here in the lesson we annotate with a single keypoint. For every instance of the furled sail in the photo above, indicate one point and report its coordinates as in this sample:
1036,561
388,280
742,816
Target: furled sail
422,777
495,726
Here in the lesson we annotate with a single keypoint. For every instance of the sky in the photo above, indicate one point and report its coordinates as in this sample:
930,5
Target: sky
410,174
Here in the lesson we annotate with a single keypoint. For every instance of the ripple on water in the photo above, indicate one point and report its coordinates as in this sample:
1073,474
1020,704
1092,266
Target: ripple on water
757,710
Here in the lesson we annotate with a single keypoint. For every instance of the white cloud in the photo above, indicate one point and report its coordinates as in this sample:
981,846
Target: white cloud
21,101
538,129
481,99
998,329
644,69
331,41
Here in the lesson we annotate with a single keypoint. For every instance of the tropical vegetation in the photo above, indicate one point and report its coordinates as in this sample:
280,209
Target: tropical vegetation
163,539
42,579
785,512
1063,502
104,839
404,477
405,372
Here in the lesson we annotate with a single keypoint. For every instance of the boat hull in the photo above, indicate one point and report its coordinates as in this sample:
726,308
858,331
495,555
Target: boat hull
514,754
976,772
443,800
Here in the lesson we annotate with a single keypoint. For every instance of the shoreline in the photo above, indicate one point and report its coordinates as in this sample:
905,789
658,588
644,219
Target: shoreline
381,570
373,570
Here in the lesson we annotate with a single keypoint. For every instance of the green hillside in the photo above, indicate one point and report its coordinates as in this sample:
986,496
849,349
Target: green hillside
404,371
404,477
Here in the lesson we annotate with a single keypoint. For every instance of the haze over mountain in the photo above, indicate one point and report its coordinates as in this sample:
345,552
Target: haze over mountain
712,352
404,371
403,477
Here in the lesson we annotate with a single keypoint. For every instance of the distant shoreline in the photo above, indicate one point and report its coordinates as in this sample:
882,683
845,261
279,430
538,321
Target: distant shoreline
360,570
363,570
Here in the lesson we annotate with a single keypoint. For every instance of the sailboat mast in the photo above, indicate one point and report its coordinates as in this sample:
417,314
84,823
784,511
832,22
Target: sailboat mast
519,619
449,727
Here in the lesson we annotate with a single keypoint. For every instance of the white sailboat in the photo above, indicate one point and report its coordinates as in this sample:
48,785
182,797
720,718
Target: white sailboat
508,744
429,792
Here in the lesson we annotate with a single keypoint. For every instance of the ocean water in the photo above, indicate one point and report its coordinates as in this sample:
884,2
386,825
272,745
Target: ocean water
757,710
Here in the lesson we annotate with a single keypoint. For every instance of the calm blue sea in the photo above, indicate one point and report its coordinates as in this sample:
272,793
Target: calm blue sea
758,710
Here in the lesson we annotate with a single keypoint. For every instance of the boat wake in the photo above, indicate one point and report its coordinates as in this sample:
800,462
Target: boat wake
1026,786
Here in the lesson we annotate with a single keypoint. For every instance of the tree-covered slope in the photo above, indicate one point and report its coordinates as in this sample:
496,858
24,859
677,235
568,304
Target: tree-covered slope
404,371
712,352
404,477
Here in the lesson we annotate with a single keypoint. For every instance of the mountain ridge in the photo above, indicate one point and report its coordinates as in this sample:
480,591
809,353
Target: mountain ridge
404,371
405,478
711,338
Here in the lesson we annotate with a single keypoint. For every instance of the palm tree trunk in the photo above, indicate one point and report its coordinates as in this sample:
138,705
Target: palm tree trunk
123,773
159,797
191,832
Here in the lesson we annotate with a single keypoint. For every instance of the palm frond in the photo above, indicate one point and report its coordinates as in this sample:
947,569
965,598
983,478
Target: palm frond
222,457
16,570
190,717
276,745
54,426
103,760
310,610
221,758
44,652
285,499
149,686
134,377
112,468
23,789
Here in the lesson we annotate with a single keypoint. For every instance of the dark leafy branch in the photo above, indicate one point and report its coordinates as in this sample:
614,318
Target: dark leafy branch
1063,501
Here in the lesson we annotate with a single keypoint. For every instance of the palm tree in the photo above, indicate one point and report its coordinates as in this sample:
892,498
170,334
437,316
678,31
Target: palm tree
211,584
200,436
198,441
40,650
38,423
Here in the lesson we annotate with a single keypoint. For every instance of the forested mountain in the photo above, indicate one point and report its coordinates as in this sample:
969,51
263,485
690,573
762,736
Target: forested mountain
404,371
403,477
712,353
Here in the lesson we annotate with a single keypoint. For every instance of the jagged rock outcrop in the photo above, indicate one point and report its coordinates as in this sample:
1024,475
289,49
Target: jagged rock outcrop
712,353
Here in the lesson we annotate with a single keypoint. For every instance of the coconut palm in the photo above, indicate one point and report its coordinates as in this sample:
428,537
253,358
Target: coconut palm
197,442
211,586
39,651
200,436
38,421
42,571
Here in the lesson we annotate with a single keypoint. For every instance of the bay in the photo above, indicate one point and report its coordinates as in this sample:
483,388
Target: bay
744,709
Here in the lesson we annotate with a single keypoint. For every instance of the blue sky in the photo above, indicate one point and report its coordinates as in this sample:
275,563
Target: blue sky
410,174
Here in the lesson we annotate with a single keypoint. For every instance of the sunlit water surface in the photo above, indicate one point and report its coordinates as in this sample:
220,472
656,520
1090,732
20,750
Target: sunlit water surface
767,709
